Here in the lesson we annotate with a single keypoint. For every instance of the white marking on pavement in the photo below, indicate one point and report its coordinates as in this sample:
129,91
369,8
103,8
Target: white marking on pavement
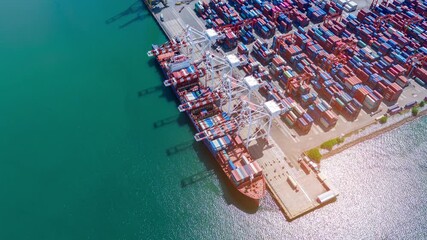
285,129
197,19
318,128
316,132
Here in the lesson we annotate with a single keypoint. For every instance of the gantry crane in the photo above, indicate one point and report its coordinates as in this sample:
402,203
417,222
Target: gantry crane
236,26
329,18
189,42
233,88
282,40
193,76
416,60
382,20
410,21
217,66
171,46
256,118
229,90
209,98
217,131
305,77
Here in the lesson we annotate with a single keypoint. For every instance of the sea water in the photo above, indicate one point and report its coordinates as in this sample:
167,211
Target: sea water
93,147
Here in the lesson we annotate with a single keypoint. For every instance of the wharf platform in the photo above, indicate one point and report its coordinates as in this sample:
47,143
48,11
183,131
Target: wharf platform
279,157
294,201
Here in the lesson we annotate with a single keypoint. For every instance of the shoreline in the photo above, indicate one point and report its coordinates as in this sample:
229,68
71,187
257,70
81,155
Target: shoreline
372,135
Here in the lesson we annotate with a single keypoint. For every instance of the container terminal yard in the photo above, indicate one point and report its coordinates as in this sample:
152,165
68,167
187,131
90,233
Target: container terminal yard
291,75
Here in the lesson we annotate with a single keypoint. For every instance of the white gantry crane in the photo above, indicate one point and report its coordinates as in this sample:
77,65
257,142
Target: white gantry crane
248,119
218,66
182,79
173,45
257,119
201,41
187,43
209,98
233,88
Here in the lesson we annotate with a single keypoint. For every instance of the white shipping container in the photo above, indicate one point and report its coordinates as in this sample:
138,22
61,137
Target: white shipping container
298,110
292,182
324,122
342,2
369,102
324,197
350,6
292,114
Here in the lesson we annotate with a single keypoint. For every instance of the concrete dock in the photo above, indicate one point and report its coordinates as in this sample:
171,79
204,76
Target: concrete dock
295,191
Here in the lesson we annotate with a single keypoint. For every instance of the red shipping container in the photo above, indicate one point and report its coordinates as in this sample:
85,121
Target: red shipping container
374,71
378,95
330,116
360,94
388,59
421,73
362,14
362,75
402,81
381,87
399,69
396,87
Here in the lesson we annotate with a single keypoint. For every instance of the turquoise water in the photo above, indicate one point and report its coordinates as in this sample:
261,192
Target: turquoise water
93,147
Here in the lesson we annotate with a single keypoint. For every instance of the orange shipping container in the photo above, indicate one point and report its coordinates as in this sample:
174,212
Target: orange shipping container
396,87
165,56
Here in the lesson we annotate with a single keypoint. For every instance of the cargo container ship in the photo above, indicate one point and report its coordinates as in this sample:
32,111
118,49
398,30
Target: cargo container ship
217,129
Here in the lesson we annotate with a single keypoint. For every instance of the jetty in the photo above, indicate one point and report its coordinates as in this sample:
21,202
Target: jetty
295,181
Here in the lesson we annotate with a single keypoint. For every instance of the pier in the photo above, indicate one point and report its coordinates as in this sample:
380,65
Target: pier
296,186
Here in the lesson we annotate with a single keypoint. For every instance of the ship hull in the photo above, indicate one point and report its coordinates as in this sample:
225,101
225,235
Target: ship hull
258,182
256,200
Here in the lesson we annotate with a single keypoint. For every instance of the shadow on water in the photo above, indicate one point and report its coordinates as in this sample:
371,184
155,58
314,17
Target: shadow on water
149,90
166,92
179,148
181,119
228,192
137,8
196,178
139,17
152,62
